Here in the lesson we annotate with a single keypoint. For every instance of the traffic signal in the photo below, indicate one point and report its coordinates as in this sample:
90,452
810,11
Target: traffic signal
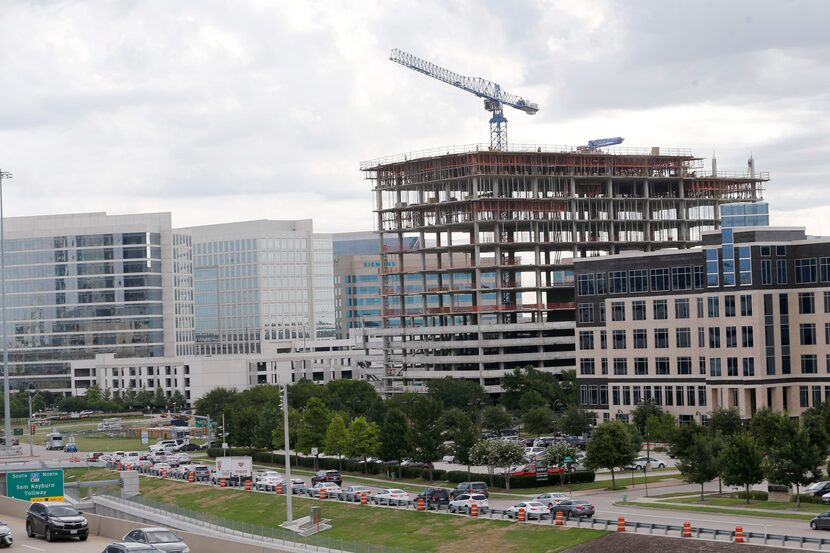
32,429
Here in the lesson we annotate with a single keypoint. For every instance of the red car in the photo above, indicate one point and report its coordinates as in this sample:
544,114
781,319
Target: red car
530,470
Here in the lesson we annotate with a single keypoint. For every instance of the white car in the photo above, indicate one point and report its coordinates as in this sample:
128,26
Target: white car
393,494
640,462
182,458
354,493
465,501
330,487
269,474
552,499
159,467
449,459
533,509
533,452
268,482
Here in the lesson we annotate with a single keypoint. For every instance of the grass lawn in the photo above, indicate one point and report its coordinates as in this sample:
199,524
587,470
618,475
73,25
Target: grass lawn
390,527
701,509
90,443
754,504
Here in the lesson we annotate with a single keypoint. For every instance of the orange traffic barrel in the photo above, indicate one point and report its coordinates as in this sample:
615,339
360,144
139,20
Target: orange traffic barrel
223,483
620,524
687,529
474,510
420,503
323,494
560,518
522,514
739,535
279,488
364,498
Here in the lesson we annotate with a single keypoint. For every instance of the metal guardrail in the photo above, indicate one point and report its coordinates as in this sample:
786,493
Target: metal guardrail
257,532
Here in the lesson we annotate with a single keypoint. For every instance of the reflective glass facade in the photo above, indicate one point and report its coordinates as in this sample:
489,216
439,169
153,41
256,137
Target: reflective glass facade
80,291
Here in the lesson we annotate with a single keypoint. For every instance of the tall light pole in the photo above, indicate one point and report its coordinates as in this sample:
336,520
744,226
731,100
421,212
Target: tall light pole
6,396
29,429
290,485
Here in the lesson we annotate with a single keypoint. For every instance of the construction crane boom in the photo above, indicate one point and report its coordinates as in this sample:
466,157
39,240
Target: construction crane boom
603,142
495,98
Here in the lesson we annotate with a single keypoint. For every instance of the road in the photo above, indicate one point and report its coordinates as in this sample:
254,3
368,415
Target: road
94,544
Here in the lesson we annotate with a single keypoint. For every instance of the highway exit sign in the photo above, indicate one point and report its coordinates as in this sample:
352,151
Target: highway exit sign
35,485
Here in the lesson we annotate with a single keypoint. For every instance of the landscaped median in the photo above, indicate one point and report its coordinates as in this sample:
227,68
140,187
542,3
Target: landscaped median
727,505
421,531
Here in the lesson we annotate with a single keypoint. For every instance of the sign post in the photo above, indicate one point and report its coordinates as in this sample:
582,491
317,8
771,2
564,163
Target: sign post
35,485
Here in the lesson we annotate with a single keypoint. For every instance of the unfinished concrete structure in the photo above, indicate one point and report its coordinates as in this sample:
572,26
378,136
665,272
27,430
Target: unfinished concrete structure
523,215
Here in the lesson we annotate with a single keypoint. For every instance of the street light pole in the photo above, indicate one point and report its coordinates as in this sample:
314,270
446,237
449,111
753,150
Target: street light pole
31,438
290,485
6,396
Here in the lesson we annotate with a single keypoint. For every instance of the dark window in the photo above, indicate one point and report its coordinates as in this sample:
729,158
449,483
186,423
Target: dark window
749,366
806,303
586,339
659,280
684,337
620,366
619,339
803,396
684,365
601,289
585,284
781,270
661,365
701,337
731,337
714,366
806,271
661,338
746,305
698,276
616,282
586,312
641,366
731,366
661,310
681,278
766,271
639,310
681,308
700,311
638,280
747,338
586,366
808,334
809,364
766,251
603,340
617,311
824,269
780,251
701,363
640,339
714,307
729,306
714,336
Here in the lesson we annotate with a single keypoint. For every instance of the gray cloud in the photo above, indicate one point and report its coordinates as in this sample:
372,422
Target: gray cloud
226,111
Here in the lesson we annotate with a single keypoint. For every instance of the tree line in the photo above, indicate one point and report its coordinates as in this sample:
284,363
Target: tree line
347,418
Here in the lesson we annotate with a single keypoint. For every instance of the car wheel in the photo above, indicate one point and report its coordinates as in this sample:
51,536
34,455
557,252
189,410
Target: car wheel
48,534
813,525
29,531
661,466
83,538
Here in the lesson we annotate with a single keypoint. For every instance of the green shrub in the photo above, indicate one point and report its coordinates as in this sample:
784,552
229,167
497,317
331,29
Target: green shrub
806,498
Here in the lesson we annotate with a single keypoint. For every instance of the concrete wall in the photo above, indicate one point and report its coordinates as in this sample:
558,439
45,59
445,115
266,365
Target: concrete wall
115,529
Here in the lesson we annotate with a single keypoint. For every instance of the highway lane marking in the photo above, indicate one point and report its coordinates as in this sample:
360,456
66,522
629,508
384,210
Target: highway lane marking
31,547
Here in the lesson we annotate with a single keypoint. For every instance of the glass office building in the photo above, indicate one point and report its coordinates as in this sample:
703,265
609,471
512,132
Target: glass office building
258,281
79,285
744,215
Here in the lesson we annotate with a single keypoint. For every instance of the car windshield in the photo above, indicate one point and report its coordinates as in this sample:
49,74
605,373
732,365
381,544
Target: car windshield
535,504
163,536
479,497
396,491
816,485
63,511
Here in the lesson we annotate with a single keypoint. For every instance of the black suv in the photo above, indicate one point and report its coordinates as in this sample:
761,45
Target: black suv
55,520
327,476
434,496
468,487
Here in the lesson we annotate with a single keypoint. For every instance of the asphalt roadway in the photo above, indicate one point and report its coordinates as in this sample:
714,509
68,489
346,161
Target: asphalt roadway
92,544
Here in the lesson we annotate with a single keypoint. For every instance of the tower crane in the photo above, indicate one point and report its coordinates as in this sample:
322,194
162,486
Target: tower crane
495,98
603,142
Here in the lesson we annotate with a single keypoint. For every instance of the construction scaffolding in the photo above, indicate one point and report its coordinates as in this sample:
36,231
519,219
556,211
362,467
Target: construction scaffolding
520,217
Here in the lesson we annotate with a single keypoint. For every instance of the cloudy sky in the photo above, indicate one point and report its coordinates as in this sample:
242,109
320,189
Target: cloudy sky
245,109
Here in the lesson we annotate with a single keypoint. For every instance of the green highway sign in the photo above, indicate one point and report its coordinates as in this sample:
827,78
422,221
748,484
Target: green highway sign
568,459
35,485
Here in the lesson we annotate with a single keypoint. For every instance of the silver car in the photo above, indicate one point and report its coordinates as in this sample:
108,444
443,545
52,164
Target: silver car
160,538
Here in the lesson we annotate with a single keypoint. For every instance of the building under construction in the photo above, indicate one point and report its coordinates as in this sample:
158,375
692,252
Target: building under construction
520,216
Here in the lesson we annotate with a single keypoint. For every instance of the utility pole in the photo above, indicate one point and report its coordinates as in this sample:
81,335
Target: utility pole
224,437
31,438
6,396
290,486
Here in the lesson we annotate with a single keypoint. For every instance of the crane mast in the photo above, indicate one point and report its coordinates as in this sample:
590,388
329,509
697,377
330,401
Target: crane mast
495,98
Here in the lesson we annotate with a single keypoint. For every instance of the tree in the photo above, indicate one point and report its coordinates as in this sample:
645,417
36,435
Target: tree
522,381
610,447
682,437
770,427
424,435
659,428
457,427
483,453
393,435
813,420
538,421
641,413
362,440
556,454
494,418
355,398
794,460
726,421
458,393
507,455
741,462
575,421
698,463
531,400
336,438
316,418
304,389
